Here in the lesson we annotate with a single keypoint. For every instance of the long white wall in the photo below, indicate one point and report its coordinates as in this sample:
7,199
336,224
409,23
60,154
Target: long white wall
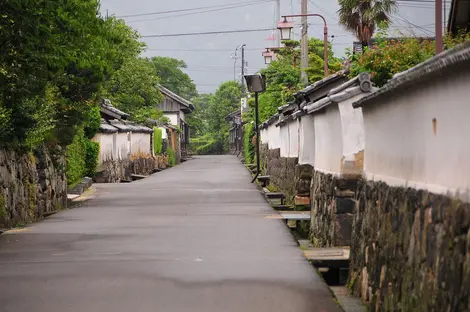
307,140
328,140
284,140
419,137
274,137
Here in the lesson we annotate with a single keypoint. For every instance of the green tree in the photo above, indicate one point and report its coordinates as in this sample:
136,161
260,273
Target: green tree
133,89
172,77
283,78
362,16
54,57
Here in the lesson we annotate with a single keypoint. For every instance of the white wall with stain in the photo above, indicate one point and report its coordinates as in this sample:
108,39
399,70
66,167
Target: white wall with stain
274,134
284,135
140,144
418,137
293,138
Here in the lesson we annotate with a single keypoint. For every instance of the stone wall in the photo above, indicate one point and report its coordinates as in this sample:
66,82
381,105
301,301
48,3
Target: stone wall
410,250
286,174
32,185
280,169
333,208
115,171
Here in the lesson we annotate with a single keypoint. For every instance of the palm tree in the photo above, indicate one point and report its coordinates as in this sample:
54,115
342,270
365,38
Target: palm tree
362,16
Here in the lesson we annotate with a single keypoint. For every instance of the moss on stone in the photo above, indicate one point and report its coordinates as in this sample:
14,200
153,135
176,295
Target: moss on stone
3,208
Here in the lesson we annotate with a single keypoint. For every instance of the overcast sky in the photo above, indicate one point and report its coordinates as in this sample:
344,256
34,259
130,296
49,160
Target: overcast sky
209,56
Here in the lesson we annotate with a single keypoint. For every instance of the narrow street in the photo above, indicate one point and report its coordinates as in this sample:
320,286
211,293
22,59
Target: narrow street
192,238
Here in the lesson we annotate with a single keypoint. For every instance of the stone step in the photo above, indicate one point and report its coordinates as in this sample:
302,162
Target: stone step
348,302
138,176
291,215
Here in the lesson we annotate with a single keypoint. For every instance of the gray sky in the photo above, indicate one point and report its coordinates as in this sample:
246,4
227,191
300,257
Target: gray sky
208,56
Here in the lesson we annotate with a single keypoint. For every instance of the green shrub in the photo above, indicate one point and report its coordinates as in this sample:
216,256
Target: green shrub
157,140
248,148
76,156
207,144
93,121
91,159
171,157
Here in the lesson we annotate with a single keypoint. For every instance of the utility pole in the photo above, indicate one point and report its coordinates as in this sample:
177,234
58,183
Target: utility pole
438,26
304,43
243,93
278,15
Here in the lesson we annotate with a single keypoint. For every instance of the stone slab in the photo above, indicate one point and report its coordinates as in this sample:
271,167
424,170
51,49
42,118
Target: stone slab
321,254
348,302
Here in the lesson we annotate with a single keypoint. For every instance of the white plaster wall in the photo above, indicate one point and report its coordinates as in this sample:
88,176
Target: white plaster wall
106,143
140,143
284,136
182,116
173,118
328,140
264,136
123,146
307,141
402,147
274,140
352,124
294,138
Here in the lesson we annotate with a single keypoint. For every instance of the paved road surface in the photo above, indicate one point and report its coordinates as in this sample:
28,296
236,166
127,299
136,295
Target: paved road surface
192,238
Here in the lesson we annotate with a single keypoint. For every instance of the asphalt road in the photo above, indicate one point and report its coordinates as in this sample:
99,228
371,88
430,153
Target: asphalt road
191,238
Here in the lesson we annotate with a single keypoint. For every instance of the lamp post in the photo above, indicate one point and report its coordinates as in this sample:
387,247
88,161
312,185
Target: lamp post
286,33
268,56
273,50
256,83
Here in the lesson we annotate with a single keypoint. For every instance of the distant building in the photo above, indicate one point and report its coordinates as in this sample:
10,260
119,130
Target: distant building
175,108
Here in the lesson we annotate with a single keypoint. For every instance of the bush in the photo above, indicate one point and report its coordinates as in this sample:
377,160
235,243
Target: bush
171,157
93,121
157,140
248,148
92,156
76,156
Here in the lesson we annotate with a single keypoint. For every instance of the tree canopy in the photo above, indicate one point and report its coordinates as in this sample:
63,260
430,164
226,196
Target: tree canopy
362,16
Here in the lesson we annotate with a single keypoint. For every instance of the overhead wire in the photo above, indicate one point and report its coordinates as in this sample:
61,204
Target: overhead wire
207,33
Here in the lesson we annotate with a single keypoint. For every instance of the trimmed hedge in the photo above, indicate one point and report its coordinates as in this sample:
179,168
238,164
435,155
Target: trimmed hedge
76,156
157,140
248,148
91,158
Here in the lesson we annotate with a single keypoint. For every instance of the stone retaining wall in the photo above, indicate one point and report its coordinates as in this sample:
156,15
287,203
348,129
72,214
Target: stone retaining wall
115,171
333,206
410,250
282,170
31,185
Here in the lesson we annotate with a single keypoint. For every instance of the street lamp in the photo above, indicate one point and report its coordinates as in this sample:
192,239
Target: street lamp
256,83
268,56
273,50
286,33
286,29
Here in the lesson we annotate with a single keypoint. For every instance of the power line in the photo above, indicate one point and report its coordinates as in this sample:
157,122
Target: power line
187,9
207,33
200,12
202,50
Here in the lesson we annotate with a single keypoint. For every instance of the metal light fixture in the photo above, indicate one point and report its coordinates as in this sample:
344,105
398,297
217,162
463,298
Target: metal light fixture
268,56
286,29
255,83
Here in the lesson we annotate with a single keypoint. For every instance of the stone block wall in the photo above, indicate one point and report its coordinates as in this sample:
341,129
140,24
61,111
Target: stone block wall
333,208
410,250
282,170
31,185
115,171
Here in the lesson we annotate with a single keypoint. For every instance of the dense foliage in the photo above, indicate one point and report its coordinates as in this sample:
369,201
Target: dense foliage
54,57
171,157
248,146
391,56
212,110
76,158
283,78
91,157
173,78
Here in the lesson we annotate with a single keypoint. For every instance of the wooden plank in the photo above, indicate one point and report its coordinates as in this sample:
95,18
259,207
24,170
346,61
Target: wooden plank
322,254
